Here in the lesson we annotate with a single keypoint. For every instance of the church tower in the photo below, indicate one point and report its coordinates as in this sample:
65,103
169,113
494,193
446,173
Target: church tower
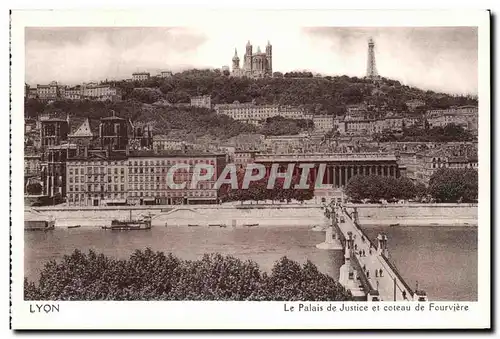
269,58
236,61
248,58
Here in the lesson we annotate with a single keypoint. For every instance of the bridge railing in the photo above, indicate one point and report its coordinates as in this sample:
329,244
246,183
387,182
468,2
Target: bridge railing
398,275
367,286
386,260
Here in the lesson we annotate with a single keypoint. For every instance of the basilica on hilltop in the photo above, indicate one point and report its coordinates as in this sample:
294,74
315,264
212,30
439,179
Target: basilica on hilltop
255,65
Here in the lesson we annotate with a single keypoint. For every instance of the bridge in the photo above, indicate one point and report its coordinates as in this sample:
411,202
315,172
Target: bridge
367,271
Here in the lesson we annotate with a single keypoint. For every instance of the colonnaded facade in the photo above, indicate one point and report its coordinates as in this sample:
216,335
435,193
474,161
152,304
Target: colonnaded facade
340,167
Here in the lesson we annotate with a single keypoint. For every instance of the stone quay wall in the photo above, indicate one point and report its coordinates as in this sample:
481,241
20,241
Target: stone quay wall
266,215
416,214
184,215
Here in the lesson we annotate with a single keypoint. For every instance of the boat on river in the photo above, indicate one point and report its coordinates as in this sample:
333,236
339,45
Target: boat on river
130,225
74,226
35,221
250,225
217,225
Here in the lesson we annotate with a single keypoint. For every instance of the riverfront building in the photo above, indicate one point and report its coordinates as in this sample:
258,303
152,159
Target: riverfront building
139,179
340,168
53,169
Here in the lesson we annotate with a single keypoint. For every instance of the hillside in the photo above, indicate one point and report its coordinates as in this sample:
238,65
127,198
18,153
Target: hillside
328,95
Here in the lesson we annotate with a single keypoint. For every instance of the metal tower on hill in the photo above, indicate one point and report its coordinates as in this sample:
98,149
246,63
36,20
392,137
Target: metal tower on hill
371,70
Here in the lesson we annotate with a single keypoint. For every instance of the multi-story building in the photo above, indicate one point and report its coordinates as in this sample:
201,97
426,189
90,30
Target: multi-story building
148,178
141,76
255,65
285,143
48,92
164,143
141,179
32,93
252,113
322,122
358,110
292,112
247,111
244,157
359,127
72,93
32,165
447,156
53,169
462,110
465,116
101,92
97,180
394,123
166,74
414,104
201,101
339,168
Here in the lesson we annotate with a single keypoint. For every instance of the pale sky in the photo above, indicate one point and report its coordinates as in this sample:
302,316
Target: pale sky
442,58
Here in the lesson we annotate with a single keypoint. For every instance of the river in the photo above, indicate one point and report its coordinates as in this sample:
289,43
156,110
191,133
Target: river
442,259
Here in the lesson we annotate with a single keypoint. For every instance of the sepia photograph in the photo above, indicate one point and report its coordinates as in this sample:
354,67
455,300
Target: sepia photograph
328,167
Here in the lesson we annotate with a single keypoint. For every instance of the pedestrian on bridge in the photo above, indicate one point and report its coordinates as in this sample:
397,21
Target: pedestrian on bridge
380,272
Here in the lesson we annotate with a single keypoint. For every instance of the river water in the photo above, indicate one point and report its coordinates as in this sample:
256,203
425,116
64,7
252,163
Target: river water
442,259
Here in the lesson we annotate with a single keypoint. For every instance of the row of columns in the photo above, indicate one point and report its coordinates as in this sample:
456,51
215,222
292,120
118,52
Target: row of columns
339,175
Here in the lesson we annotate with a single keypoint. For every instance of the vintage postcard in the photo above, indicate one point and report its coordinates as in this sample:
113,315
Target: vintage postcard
230,169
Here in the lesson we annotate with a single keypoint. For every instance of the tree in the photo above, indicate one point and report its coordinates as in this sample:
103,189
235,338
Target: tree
454,185
291,281
405,188
420,190
149,275
376,187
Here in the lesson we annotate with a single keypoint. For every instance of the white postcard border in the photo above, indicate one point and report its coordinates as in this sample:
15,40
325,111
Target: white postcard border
243,314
